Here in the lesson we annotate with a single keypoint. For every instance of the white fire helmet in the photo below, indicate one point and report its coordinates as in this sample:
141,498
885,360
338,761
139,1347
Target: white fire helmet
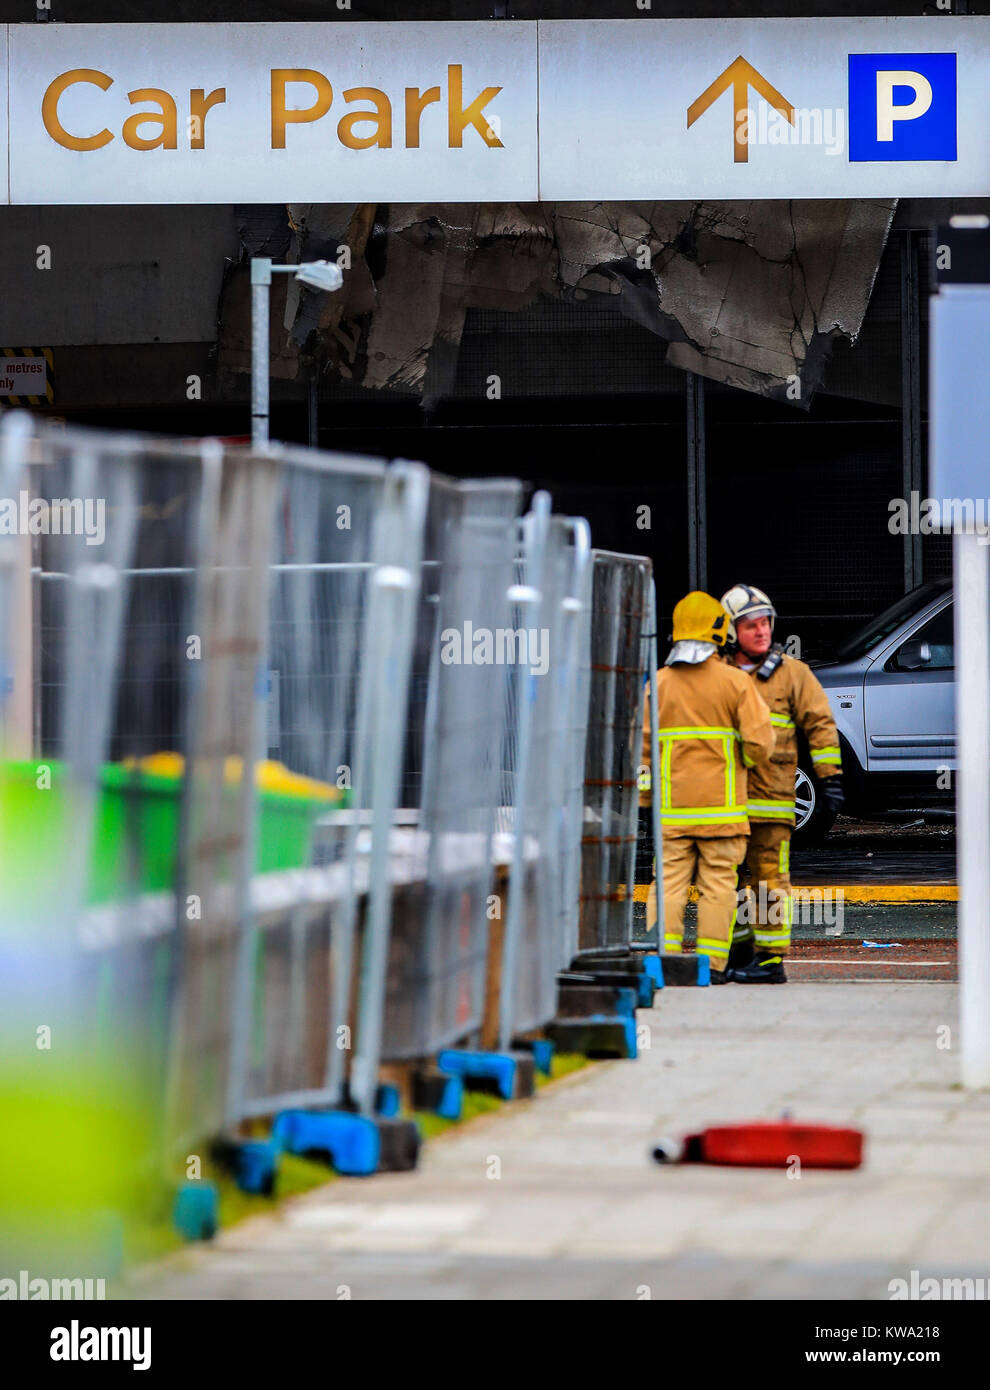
746,601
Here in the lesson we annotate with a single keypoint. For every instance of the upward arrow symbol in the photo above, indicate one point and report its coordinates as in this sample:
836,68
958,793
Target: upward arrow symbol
740,76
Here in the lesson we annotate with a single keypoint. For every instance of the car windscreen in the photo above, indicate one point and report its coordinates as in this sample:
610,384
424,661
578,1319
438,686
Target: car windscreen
889,620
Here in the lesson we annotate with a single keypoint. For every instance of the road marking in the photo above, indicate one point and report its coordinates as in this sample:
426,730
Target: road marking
855,960
888,892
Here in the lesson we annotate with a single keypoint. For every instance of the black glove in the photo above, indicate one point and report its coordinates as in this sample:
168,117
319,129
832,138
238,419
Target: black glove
835,797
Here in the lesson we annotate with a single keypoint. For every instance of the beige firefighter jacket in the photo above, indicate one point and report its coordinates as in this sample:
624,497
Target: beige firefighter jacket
796,700
711,729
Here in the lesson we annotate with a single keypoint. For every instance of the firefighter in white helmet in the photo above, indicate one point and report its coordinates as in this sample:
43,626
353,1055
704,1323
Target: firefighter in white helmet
762,935
712,728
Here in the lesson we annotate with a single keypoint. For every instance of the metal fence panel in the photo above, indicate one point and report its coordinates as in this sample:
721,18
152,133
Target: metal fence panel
619,666
427,658
546,712
300,957
440,927
77,846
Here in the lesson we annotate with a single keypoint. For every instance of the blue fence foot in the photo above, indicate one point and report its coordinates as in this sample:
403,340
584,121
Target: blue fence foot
542,1050
646,987
620,968
510,1075
443,1095
653,967
388,1103
685,969
354,1145
252,1162
599,1036
195,1211
347,1141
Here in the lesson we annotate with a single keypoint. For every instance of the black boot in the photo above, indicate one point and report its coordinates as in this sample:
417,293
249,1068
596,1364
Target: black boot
717,977
741,953
763,970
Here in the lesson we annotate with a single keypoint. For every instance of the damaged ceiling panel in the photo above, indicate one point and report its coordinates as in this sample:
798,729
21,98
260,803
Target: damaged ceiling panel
747,294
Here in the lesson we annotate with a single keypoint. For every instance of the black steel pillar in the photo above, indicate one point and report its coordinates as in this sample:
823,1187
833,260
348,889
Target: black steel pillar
697,485
313,412
911,398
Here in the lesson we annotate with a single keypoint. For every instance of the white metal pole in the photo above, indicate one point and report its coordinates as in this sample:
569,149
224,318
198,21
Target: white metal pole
972,644
655,764
261,279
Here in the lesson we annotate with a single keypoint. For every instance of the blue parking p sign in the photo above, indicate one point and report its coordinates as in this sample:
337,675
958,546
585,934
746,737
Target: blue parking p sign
902,106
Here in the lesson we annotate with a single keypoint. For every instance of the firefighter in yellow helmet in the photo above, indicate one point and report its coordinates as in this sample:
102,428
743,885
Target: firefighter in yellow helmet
713,726
796,700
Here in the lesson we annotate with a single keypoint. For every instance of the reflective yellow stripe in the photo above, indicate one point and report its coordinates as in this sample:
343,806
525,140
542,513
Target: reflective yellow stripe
704,731
784,858
699,815
782,721
766,938
716,944
672,943
826,755
769,809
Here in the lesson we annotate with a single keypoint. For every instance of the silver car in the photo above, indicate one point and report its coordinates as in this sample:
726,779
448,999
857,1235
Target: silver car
892,691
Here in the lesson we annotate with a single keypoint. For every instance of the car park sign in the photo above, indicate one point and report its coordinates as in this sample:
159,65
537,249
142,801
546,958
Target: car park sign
488,111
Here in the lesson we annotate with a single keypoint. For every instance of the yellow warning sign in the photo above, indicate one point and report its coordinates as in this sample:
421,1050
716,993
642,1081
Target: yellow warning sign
27,376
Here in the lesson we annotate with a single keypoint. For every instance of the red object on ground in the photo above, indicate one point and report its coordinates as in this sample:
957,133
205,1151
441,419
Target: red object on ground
775,1145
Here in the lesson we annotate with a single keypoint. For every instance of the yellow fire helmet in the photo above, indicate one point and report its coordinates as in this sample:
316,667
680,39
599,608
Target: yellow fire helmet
701,618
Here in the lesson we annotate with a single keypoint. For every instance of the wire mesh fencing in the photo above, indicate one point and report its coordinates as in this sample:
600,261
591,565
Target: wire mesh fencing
336,532
545,721
79,847
280,721
439,939
620,659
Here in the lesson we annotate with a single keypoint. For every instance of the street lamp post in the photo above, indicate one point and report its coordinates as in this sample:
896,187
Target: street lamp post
318,275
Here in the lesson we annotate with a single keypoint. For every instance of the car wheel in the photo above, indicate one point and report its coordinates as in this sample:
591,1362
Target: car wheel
812,817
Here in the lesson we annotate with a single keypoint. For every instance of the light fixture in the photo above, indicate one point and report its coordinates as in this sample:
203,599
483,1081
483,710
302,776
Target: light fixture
320,275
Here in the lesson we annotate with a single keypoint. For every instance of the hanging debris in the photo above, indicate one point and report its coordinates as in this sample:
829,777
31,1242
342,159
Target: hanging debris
749,294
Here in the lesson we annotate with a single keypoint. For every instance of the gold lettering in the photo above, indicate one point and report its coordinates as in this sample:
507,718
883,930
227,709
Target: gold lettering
168,138
199,104
416,103
380,118
281,77
459,116
49,109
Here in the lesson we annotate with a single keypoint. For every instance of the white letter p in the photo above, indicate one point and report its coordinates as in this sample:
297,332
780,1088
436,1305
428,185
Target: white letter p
887,112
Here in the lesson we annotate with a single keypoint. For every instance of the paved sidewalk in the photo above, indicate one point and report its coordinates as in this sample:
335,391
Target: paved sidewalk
579,1210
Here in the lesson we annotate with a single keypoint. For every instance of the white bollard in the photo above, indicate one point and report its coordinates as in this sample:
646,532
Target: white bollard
971,557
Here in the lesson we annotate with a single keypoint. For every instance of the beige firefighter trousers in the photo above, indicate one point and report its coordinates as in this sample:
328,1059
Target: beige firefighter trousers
766,906
711,865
